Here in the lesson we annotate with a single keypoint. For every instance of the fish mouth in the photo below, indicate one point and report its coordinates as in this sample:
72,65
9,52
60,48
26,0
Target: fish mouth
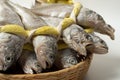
32,69
82,50
44,62
3,68
79,48
101,50
97,49
42,58
36,69
110,31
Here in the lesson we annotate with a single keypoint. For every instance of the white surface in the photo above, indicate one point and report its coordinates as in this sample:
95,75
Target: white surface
106,67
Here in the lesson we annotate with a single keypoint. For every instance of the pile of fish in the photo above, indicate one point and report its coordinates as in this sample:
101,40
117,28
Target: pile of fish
44,51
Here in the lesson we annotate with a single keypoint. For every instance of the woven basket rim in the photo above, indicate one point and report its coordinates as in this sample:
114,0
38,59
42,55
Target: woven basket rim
89,58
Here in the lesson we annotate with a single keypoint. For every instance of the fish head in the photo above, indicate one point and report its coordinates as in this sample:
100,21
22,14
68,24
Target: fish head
77,38
37,68
7,57
45,50
99,46
10,49
69,58
31,67
29,62
46,55
70,61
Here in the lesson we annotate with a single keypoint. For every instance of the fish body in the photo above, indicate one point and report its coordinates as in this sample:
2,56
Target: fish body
51,21
29,63
24,3
66,58
29,19
10,49
45,48
53,10
7,15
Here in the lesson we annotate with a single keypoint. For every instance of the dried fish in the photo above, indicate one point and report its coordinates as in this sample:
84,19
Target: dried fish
29,19
29,63
10,49
7,15
10,44
45,46
90,19
85,18
66,58
53,10
45,49
76,38
73,35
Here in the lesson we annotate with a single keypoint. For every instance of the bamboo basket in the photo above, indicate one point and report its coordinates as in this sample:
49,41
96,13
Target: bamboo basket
76,72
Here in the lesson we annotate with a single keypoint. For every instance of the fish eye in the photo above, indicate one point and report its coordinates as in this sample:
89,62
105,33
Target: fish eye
72,61
101,41
89,37
51,57
8,59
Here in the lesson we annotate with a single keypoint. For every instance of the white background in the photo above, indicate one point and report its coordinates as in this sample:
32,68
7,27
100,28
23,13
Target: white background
106,67
103,67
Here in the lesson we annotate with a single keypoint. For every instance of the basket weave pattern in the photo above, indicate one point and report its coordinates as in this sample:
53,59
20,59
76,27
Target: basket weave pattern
76,72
